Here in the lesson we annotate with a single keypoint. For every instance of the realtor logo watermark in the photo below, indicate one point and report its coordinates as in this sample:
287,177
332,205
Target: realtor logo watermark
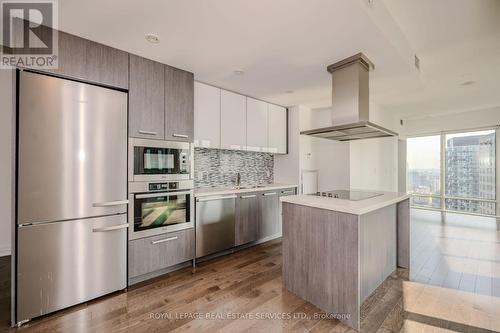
29,34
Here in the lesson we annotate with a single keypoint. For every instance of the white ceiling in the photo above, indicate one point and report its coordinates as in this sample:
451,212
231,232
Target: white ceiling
286,45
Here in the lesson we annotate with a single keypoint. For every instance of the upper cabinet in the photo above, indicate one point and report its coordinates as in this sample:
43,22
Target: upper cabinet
79,58
161,97
206,115
257,125
179,105
227,120
233,120
277,129
82,59
146,99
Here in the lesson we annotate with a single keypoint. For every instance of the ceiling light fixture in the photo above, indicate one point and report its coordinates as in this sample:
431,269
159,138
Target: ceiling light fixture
239,72
467,83
152,38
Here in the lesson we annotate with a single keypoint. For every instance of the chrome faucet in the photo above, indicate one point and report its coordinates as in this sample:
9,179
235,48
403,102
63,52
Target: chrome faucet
238,180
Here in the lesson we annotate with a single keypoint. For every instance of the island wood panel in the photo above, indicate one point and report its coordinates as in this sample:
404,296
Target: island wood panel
377,248
403,230
320,259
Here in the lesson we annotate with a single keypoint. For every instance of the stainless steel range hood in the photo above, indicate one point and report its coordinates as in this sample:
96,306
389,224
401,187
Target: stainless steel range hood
350,103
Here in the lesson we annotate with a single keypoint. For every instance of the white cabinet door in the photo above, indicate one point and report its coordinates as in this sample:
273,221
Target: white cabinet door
233,121
277,133
257,124
206,116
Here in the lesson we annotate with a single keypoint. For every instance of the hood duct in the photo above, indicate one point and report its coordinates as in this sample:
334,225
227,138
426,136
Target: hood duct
350,103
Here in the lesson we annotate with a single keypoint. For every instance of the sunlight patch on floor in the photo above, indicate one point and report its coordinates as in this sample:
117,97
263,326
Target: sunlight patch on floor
451,305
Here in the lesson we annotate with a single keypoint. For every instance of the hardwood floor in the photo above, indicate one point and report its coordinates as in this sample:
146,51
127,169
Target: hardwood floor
243,292
463,252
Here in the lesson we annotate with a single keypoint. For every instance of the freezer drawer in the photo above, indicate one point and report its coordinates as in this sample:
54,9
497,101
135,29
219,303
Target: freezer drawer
215,223
61,264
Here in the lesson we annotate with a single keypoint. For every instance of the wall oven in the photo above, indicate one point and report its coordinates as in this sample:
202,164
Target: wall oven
155,160
160,207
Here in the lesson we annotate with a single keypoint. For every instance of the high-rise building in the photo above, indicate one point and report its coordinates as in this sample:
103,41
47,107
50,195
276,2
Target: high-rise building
470,173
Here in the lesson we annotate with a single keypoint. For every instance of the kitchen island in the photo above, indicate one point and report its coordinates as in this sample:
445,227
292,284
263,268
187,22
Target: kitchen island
336,252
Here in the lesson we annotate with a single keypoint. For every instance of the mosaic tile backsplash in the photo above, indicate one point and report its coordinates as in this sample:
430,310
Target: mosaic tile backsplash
218,167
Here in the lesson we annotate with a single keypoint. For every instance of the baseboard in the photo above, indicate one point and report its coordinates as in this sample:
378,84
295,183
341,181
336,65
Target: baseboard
4,250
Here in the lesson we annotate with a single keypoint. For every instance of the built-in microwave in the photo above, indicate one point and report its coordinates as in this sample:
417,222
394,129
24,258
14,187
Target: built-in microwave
155,160
160,207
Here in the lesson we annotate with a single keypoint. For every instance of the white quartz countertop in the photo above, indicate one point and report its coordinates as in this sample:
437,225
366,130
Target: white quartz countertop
207,191
346,206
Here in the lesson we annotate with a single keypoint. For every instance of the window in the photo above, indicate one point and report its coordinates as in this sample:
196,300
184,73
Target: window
454,171
470,172
424,171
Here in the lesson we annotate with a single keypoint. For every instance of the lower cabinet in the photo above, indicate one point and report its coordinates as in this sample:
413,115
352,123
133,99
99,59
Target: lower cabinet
283,193
247,218
152,254
268,213
258,215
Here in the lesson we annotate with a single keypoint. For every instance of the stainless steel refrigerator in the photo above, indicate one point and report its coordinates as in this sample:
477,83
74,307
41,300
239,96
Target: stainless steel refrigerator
71,193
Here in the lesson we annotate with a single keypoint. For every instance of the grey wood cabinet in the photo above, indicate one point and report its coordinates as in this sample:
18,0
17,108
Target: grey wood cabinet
179,105
79,58
283,193
146,99
268,213
247,218
82,59
150,254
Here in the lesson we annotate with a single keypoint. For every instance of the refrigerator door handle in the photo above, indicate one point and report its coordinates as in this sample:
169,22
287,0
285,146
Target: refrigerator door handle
115,227
110,203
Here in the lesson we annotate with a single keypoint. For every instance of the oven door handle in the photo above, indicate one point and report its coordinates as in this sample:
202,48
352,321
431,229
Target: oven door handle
161,194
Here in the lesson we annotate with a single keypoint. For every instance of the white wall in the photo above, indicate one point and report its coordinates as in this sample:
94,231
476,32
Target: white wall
6,117
450,122
332,163
329,158
374,164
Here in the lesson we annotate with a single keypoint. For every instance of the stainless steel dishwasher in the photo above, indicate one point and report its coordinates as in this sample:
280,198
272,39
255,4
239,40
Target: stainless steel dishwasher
215,219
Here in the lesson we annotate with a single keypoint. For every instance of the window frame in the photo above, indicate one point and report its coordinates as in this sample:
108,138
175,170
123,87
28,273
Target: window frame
442,173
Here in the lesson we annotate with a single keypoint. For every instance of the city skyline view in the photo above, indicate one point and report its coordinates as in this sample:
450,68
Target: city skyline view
469,171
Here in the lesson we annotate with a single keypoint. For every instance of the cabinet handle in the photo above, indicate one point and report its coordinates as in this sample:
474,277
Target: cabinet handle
180,136
248,196
288,192
147,132
163,240
269,193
